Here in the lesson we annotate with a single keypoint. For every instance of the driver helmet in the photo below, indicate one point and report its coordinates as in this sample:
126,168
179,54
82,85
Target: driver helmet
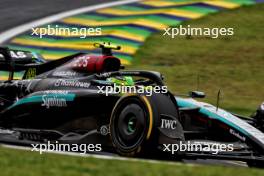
122,80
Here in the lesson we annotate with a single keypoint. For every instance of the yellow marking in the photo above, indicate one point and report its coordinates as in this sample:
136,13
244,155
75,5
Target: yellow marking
69,45
172,11
150,116
124,34
53,44
5,78
224,4
142,22
31,73
186,14
147,23
144,98
159,3
115,32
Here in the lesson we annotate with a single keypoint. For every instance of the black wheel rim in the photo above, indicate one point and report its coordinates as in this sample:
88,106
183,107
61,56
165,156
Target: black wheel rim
130,123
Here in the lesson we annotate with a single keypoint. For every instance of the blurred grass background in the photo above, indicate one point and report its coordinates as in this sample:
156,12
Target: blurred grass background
233,64
27,163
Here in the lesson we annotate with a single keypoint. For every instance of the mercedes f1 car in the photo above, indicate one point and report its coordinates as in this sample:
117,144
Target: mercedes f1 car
60,101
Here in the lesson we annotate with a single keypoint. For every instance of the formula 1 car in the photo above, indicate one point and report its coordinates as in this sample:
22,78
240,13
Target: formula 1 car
65,101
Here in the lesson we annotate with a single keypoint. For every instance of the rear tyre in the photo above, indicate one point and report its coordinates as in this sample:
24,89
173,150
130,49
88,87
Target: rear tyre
134,122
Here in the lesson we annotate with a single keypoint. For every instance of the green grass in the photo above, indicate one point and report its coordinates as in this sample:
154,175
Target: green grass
27,163
233,64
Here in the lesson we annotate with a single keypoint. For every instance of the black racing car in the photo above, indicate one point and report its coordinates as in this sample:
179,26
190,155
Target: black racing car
66,101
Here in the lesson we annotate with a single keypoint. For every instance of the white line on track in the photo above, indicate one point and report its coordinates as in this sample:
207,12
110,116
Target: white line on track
6,35
106,157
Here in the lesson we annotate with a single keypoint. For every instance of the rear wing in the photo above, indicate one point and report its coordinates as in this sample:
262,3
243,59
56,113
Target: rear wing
10,59
30,63
6,61
19,56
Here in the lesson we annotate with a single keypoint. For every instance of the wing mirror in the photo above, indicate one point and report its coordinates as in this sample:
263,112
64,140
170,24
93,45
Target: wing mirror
197,94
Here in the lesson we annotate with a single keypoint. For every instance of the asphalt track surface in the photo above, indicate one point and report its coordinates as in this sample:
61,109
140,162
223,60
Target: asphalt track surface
17,12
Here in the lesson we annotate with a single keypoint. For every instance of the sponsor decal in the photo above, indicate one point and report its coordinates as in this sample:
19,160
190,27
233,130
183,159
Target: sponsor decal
47,100
53,101
28,83
168,124
18,54
81,62
31,73
237,135
130,73
61,92
71,83
64,73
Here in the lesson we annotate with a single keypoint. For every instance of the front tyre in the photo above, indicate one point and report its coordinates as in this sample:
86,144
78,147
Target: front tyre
134,122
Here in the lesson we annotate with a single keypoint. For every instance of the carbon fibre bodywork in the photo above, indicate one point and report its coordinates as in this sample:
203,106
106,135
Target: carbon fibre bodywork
62,102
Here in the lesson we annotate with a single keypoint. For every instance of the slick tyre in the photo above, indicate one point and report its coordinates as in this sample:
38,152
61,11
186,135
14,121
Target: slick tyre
134,122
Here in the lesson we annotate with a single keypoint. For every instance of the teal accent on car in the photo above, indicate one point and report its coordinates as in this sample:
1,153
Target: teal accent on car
39,98
204,110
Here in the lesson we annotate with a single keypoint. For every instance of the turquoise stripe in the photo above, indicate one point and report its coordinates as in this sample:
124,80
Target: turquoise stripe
38,98
184,103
